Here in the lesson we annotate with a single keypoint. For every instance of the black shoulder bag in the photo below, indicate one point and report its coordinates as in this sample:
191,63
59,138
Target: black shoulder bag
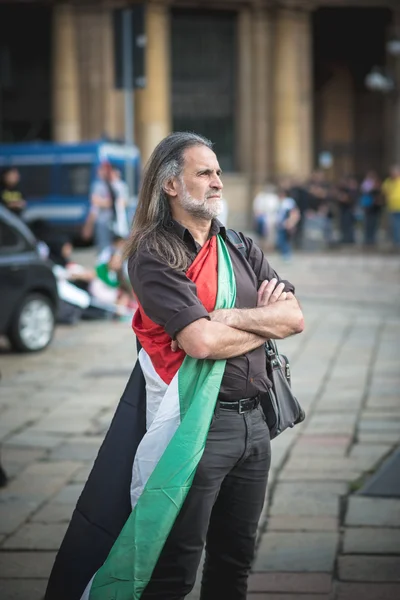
281,408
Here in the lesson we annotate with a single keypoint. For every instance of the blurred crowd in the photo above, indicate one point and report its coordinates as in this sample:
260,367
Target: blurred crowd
102,290
317,213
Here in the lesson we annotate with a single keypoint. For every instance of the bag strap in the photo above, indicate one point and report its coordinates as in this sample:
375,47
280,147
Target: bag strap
236,239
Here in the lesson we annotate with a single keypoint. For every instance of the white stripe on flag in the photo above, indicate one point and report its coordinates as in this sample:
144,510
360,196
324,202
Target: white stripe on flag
155,387
163,426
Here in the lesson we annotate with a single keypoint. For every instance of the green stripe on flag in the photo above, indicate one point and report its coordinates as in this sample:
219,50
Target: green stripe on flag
133,557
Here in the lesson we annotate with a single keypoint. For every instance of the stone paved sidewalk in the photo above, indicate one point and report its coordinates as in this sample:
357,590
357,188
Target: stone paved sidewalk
318,539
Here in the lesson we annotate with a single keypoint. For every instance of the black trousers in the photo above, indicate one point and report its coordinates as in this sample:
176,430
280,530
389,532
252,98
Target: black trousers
221,510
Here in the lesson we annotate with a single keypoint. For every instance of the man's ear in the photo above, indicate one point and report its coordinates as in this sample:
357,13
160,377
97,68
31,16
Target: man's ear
170,187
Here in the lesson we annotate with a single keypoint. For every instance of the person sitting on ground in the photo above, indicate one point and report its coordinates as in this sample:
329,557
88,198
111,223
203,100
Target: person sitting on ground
111,283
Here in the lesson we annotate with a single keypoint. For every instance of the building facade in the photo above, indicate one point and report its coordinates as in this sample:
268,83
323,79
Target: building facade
278,85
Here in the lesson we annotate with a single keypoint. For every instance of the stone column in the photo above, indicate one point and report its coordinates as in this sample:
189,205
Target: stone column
153,104
113,98
261,98
65,80
396,69
244,92
293,136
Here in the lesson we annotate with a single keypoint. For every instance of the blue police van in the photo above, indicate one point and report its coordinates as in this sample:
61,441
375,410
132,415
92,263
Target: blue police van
56,178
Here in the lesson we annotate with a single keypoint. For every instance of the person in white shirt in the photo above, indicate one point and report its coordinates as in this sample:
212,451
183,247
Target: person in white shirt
288,215
265,206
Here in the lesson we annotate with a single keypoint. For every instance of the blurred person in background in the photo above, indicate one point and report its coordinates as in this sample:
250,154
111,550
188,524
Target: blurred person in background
223,217
288,215
121,189
319,214
371,203
10,194
391,191
102,209
346,194
298,191
265,207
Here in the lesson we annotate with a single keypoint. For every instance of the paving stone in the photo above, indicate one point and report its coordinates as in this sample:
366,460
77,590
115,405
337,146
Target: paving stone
365,540
64,426
373,425
82,475
77,450
377,451
266,596
37,536
15,460
69,494
335,463
23,589
314,450
306,500
35,440
15,510
43,479
368,591
295,551
54,512
330,441
373,512
16,417
298,523
383,402
299,475
378,437
369,568
26,565
302,583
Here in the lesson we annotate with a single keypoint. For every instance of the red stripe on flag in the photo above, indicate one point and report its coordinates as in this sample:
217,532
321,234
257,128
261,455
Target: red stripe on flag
155,341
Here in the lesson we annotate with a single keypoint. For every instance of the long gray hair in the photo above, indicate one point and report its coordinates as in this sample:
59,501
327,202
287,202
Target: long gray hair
150,226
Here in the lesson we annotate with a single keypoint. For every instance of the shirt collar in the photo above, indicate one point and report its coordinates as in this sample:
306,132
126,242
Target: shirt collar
185,235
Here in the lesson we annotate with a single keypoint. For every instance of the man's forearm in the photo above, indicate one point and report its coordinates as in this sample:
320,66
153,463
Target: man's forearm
275,321
228,342
205,339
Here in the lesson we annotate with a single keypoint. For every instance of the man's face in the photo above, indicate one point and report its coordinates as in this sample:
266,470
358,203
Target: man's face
199,187
12,177
395,172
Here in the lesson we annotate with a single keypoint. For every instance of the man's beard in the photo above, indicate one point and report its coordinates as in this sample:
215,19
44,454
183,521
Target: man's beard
206,209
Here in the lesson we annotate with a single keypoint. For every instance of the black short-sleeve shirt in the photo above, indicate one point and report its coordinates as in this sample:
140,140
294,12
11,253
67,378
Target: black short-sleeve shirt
169,298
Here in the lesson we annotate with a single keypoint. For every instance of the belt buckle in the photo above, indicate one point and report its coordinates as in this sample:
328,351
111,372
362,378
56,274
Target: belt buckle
241,410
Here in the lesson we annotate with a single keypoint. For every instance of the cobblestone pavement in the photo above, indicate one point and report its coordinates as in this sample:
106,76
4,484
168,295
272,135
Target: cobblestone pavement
318,539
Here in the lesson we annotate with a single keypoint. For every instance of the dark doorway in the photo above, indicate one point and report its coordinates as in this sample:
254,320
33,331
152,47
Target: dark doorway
25,72
349,118
203,77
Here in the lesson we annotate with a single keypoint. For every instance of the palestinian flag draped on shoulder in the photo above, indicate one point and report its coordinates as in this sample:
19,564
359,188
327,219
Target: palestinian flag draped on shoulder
148,460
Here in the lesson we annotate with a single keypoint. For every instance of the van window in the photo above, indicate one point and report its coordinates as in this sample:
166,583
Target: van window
75,180
35,180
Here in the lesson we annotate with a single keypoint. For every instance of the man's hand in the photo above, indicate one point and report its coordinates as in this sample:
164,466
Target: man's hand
175,346
269,292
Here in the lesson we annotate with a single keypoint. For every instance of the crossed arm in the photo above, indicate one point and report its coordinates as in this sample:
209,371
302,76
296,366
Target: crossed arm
232,332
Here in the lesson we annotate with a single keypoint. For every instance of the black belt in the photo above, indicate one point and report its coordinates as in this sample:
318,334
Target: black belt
241,406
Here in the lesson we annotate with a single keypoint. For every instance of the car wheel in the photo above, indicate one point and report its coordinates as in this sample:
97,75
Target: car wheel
33,325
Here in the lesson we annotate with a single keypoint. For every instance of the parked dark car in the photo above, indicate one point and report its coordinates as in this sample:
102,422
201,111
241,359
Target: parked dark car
28,288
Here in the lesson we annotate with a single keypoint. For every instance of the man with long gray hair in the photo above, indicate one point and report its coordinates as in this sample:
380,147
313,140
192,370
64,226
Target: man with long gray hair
185,462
